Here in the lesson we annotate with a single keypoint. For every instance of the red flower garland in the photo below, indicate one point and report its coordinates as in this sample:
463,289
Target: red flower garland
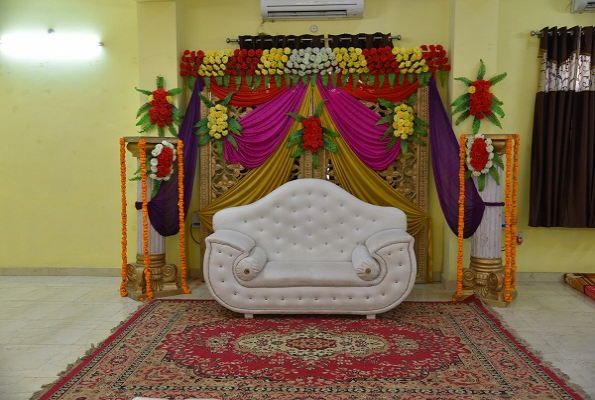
481,99
479,154
161,111
312,134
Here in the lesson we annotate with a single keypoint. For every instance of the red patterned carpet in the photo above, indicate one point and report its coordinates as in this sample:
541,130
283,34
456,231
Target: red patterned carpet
178,349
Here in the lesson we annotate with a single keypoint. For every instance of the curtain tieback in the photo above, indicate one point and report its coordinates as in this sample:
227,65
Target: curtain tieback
494,204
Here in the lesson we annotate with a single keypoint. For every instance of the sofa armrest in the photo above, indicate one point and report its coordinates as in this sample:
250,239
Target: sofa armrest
366,267
235,239
386,238
249,267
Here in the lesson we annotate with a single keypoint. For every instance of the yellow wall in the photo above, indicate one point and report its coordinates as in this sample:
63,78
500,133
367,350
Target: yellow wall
60,201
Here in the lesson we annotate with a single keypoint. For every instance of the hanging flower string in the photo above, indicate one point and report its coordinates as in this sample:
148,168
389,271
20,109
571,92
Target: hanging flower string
461,225
482,160
515,184
404,124
508,218
124,240
182,217
479,101
145,211
159,110
313,136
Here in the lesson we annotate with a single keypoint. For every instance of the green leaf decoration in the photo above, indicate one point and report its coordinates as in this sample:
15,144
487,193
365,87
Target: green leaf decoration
207,102
191,81
160,131
417,140
386,103
319,107
219,80
295,138
494,174
496,100
401,79
344,79
257,81
227,99
296,79
314,160
202,130
462,117
461,107
482,70
441,76
208,83
385,120
419,129
324,79
462,99
159,81
204,139
201,122
410,78
419,121
391,80
148,127
219,147
175,91
295,116
498,160
411,99
355,79
389,131
287,80
391,143
371,79
305,80
404,147
468,174
156,186
147,92
381,79
481,182
494,120
330,145
234,126
498,78
249,81
278,81
298,152
475,125
466,81
172,130
330,133
232,141
226,80
313,78
145,118
267,81
334,80
238,79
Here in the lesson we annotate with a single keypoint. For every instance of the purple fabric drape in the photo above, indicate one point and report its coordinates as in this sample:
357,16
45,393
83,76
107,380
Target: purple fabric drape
445,165
356,122
163,208
264,129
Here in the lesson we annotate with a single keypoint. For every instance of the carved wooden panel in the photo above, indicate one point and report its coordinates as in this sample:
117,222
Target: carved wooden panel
408,174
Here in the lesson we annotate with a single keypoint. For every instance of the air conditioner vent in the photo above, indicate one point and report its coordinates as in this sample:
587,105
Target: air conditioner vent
581,6
311,9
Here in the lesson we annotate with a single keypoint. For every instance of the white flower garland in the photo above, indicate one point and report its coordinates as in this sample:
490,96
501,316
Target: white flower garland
489,148
310,61
154,162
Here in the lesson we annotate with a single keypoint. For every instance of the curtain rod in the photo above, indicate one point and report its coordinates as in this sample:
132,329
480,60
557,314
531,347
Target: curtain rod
397,37
538,33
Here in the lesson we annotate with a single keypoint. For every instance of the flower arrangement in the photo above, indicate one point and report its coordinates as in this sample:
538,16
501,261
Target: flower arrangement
481,160
365,65
479,101
217,125
403,124
313,136
159,110
159,166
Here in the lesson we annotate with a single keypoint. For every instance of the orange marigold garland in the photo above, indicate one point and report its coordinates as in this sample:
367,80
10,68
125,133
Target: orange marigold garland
515,184
461,225
508,217
182,217
143,179
124,241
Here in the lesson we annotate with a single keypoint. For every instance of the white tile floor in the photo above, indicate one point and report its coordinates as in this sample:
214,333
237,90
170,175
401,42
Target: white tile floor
47,323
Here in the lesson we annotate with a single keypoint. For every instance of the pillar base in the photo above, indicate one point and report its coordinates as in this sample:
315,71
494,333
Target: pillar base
485,278
164,278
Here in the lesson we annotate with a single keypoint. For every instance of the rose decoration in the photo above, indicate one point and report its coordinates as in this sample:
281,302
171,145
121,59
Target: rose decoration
479,101
403,124
482,160
159,110
313,136
217,125
160,165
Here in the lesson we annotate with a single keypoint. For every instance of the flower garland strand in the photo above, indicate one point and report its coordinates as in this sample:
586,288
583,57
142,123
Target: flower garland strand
461,226
182,217
515,184
479,101
508,230
124,240
143,179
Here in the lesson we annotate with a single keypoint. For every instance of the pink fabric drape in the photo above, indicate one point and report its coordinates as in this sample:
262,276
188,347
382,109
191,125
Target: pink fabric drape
356,124
264,129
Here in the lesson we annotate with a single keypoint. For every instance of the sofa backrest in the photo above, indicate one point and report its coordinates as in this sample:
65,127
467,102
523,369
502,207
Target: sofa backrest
309,219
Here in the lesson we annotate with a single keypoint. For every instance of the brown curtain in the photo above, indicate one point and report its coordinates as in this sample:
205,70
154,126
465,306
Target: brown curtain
280,41
563,147
362,40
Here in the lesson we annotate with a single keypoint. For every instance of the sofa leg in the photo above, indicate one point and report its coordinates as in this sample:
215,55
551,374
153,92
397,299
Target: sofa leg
371,316
248,316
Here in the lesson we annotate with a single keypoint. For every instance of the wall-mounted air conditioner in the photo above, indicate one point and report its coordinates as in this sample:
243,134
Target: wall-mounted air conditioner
311,9
581,6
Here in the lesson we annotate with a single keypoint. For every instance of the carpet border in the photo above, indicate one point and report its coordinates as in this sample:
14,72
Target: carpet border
552,372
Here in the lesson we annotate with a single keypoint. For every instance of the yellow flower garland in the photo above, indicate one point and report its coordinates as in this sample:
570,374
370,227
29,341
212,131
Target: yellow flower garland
461,226
143,179
182,218
124,242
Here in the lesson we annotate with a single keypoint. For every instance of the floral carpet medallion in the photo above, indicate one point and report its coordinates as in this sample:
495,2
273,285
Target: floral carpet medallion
179,349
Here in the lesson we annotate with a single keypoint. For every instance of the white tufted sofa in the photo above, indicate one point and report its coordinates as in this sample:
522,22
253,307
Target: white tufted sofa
309,246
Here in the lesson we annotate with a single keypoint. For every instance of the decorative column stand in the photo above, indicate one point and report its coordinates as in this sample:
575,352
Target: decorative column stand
164,277
486,276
